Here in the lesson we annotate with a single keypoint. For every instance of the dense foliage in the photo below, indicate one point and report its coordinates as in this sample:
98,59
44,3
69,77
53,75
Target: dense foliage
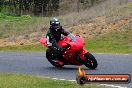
32,7
37,7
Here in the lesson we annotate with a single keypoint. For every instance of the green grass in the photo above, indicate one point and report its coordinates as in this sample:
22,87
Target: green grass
10,80
19,25
22,48
114,42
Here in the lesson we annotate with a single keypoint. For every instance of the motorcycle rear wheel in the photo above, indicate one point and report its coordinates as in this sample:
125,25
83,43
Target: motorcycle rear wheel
51,58
90,61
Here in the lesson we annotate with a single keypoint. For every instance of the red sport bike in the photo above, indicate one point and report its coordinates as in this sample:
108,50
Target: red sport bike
74,54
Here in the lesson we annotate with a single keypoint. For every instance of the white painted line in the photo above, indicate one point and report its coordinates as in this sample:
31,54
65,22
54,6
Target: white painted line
62,79
113,53
55,78
71,80
122,54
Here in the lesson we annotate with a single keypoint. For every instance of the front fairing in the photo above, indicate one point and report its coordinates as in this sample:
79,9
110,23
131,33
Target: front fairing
77,44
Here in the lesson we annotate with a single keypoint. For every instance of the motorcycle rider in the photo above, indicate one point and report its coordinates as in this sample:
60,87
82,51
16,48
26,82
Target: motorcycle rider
54,35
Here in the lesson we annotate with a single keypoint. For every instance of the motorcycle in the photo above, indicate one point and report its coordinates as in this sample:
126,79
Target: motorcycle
74,53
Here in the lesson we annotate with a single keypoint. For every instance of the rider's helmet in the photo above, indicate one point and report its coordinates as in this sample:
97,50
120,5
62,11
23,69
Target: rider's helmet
55,24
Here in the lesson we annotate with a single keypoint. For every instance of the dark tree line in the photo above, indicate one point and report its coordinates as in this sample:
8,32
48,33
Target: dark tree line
39,7
32,7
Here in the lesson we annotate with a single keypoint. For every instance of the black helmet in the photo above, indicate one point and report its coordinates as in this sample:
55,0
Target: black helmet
54,21
55,24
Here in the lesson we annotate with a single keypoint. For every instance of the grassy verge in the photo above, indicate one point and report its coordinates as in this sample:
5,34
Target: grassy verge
12,26
9,80
22,48
115,42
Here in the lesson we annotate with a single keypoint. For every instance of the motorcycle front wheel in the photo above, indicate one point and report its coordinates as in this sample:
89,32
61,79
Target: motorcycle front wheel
90,61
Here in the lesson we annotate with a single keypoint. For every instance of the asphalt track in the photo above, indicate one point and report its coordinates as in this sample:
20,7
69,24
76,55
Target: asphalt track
36,63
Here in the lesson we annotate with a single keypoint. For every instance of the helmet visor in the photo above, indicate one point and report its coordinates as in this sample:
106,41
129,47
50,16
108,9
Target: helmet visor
57,26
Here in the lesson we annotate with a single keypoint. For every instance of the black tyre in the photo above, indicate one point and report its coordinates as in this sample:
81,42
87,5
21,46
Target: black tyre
90,61
81,80
51,58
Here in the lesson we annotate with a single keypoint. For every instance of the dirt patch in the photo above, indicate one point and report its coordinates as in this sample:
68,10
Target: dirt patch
101,25
25,39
